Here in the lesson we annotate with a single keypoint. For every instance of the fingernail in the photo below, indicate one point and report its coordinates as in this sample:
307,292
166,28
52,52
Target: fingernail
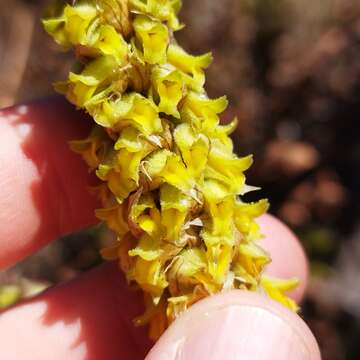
242,332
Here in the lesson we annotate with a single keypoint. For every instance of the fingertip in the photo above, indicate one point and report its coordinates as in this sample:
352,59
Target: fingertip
287,254
237,325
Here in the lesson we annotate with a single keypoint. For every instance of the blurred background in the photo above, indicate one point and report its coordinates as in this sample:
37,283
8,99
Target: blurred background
291,70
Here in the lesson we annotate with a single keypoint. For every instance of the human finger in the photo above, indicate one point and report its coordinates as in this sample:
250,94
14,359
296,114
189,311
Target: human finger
43,184
89,318
237,325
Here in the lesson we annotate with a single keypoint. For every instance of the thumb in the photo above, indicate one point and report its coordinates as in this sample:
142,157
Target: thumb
237,325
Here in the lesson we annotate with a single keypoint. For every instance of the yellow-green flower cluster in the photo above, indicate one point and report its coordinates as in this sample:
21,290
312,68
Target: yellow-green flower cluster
172,184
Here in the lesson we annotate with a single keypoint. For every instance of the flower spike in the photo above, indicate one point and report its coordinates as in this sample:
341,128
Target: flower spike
171,184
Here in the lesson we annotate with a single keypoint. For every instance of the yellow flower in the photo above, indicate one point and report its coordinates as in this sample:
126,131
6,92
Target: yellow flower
119,186
168,84
189,264
70,27
130,110
154,39
220,227
147,249
150,276
220,237
227,168
169,167
93,148
115,218
194,149
199,110
192,66
175,206
81,87
276,289
108,42
252,258
122,168
245,215
222,132
164,10
78,19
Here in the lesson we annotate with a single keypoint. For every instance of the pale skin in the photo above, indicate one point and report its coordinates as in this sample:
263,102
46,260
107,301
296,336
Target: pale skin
43,194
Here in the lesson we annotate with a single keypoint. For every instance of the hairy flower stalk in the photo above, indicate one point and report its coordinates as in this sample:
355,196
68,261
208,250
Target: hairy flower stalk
171,184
